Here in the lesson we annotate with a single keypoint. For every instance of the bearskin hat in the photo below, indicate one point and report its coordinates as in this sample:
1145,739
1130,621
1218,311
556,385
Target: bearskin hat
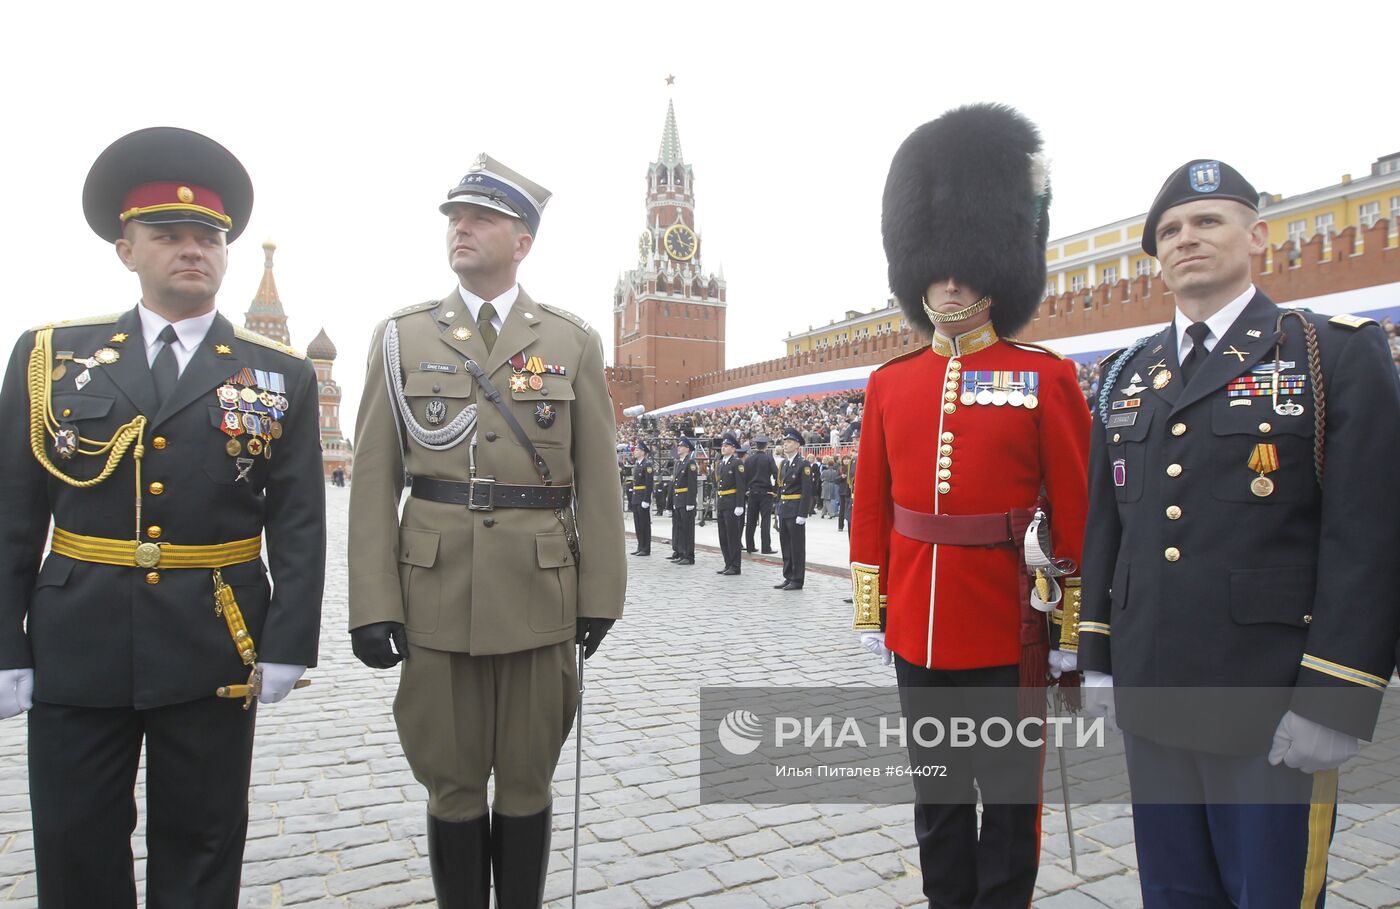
968,197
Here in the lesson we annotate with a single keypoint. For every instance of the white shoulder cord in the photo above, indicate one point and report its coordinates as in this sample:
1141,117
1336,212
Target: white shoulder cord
440,439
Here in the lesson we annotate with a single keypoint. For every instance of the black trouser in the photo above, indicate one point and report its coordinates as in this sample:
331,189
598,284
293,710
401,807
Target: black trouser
792,536
731,528
964,868
641,522
760,511
82,773
683,532
843,513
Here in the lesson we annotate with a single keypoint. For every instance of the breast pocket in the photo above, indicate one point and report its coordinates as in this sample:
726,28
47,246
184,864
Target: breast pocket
86,416
545,411
1127,454
1242,430
435,398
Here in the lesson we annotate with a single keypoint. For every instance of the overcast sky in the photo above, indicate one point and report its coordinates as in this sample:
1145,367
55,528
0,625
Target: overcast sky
354,119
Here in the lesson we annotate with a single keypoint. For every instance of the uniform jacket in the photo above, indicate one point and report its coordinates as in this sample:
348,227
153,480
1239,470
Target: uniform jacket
643,483
486,582
1192,579
795,480
101,635
730,473
761,471
959,607
686,477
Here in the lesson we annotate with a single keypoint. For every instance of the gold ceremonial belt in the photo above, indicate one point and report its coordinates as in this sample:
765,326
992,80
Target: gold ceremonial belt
638,488
727,492
134,554
682,489
796,495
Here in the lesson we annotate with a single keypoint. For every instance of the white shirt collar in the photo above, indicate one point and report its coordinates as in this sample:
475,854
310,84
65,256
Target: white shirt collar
189,333
1218,323
501,304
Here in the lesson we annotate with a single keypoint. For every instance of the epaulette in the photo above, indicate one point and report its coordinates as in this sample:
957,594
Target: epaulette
416,307
74,323
1351,321
1104,361
253,337
565,314
904,356
1031,345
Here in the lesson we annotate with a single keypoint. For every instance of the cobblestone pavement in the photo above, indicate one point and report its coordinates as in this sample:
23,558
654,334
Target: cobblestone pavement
337,819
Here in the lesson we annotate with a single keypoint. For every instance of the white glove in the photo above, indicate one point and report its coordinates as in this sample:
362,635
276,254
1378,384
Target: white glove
1307,746
874,641
1098,696
690,508
645,504
801,521
1062,661
738,512
277,680
16,691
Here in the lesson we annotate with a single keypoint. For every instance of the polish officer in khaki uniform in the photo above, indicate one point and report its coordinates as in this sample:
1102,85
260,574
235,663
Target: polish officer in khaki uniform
494,411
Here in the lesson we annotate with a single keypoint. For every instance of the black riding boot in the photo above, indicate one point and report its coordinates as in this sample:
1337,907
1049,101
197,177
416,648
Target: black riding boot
459,853
520,859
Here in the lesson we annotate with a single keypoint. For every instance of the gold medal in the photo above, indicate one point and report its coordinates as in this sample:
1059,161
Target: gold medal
234,448
248,394
255,446
1261,486
106,356
276,430
519,382
60,371
536,383
1160,379
1263,460
1031,402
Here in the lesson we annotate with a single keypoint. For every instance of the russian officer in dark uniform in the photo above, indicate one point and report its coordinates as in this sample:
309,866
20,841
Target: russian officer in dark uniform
685,486
796,488
730,490
163,443
762,473
1241,534
643,482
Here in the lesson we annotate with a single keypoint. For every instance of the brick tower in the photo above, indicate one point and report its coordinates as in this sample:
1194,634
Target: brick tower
335,449
266,316
668,312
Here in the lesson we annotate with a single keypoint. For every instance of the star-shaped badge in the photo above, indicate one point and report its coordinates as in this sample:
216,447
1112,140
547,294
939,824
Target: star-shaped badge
519,382
119,338
223,350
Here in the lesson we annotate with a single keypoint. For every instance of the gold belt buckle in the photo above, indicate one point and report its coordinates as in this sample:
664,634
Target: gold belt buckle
147,555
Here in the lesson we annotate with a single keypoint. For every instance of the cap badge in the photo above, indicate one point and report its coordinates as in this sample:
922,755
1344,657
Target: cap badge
1205,177
185,194
479,163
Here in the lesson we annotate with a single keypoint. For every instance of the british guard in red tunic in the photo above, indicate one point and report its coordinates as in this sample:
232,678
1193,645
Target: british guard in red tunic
964,443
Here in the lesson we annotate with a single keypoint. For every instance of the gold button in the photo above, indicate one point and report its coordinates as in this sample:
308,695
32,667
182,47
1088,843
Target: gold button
1307,620
947,437
156,488
944,488
951,385
1172,553
158,442
1173,512
1178,429
1265,427
153,531
945,462
1173,470
945,474
950,395
153,577
1117,437
949,408
955,363
67,412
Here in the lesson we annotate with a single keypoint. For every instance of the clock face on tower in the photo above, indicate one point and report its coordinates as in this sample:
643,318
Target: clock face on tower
644,247
680,242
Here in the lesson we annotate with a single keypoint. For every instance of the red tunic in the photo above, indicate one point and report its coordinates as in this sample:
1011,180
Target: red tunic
958,607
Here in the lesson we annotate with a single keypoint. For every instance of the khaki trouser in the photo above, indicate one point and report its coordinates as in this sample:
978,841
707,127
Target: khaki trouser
460,716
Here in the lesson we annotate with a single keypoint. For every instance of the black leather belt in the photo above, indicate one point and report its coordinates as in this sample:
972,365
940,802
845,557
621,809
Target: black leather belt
488,495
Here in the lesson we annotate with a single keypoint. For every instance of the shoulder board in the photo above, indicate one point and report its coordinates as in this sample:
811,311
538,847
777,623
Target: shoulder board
1352,321
1103,363
253,337
565,314
1031,345
904,356
74,323
416,307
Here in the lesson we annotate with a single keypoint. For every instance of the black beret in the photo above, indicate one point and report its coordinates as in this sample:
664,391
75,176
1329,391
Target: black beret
1199,179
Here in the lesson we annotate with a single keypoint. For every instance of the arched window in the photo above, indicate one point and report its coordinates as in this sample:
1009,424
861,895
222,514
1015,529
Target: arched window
662,176
698,289
680,178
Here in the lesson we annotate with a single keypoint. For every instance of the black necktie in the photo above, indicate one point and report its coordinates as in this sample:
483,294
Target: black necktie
485,326
1197,332
165,370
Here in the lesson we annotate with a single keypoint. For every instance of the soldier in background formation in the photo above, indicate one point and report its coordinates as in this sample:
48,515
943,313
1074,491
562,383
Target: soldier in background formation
643,481
164,444
510,549
762,473
685,487
730,491
796,491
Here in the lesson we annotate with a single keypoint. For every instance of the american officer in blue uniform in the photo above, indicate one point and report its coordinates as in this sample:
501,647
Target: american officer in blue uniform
1241,532
731,487
762,473
643,482
796,487
685,487
214,442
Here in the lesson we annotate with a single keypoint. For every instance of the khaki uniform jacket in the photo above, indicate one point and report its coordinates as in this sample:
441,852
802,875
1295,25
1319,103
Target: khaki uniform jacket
486,582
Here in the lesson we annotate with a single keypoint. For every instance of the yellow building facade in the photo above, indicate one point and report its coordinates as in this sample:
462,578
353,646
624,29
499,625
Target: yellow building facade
1111,252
